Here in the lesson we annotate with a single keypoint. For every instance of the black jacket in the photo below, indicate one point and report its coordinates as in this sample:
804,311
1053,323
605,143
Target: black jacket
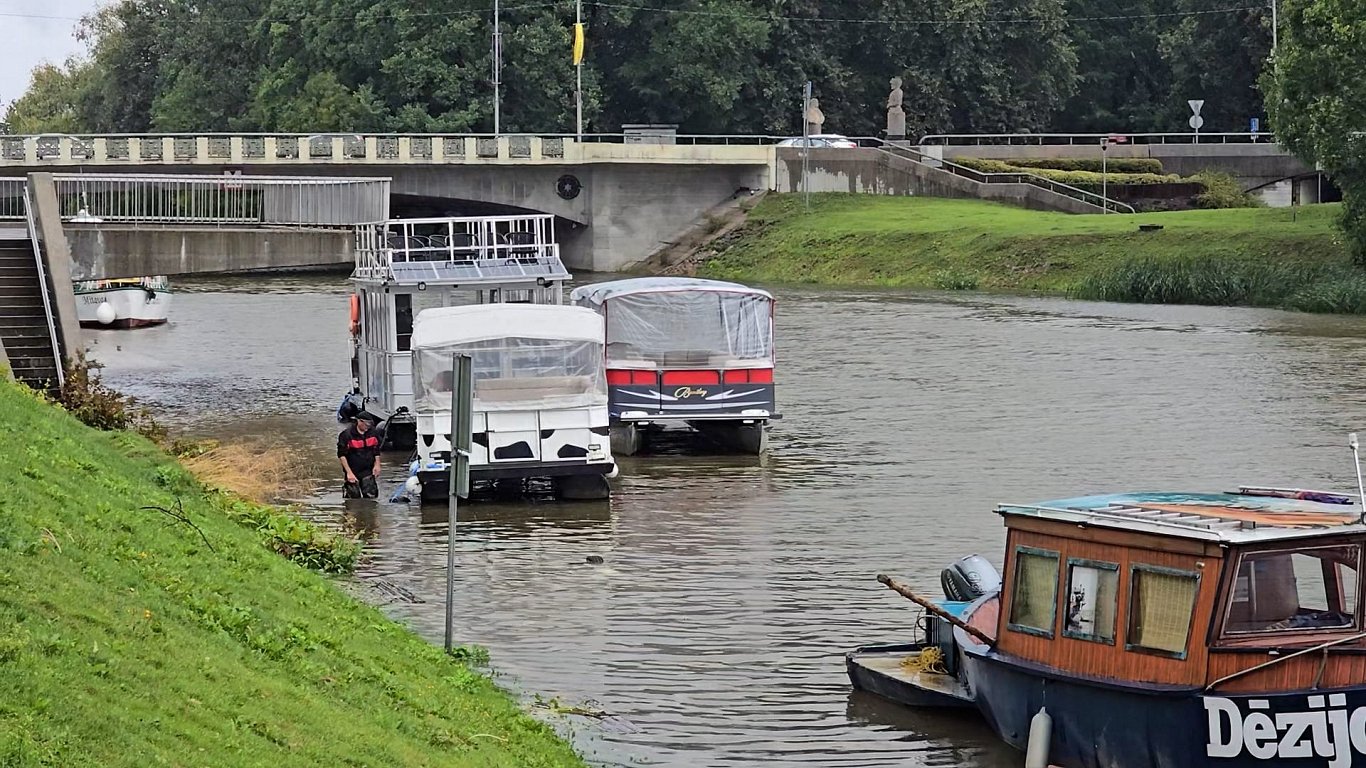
359,450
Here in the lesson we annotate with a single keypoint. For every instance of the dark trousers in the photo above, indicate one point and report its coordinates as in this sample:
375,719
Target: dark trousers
365,487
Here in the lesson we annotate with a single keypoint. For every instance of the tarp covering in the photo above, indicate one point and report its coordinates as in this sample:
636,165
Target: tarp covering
598,293
690,328
479,322
513,374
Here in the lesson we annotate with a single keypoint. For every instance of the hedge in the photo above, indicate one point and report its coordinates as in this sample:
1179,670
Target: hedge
1116,165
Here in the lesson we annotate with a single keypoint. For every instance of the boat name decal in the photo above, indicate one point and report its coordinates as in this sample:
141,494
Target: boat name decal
1331,733
683,392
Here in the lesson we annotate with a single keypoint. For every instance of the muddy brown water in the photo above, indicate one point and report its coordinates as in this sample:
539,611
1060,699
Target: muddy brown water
712,631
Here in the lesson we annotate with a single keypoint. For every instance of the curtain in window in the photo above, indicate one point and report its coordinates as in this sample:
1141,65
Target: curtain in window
1160,616
1036,590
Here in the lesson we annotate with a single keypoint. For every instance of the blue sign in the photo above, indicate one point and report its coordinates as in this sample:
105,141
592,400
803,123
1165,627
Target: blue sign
1256,123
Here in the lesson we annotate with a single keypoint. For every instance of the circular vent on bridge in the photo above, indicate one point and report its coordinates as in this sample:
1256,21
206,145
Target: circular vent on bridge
568,187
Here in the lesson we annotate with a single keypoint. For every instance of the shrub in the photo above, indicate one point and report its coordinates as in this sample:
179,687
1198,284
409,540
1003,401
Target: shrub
1015,165
1222,190
297,539
955,280
97,405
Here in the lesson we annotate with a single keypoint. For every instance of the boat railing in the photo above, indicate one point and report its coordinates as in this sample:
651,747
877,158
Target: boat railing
461,248
1324,646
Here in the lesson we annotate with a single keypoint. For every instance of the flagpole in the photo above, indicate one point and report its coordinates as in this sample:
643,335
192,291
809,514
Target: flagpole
578,73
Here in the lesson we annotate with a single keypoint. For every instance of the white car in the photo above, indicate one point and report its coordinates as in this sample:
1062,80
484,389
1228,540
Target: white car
819,140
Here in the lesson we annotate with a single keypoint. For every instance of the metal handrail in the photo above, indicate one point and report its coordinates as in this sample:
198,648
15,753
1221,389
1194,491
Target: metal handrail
1320,647
1188,137
984,177
12,192
48,314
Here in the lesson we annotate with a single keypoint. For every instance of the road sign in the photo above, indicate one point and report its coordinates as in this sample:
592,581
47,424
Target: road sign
1255,124
1117,139
1197,122
1195,105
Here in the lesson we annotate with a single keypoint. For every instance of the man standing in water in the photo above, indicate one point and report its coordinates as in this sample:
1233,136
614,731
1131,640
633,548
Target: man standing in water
358,452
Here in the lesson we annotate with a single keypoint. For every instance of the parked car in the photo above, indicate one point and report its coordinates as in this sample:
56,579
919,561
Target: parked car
819,140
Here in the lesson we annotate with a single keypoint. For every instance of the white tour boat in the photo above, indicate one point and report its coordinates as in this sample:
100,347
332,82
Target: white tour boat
134,302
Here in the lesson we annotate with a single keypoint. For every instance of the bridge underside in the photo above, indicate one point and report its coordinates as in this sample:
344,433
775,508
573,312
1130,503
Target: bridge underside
134,251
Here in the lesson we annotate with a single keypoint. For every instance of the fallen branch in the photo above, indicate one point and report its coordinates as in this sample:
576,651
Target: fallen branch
179,515
905,591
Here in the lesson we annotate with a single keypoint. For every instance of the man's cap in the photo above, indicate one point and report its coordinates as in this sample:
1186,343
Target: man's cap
366,416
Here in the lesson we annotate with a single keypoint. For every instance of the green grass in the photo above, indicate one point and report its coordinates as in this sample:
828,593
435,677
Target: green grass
126,640
1291,257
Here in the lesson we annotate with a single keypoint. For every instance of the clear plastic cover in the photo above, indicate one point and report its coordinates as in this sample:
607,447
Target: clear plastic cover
681,329
513,374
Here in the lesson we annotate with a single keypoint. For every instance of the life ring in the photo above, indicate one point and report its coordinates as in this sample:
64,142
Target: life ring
355,314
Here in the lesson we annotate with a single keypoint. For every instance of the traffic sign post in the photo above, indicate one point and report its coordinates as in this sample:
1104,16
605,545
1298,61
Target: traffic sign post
1196,122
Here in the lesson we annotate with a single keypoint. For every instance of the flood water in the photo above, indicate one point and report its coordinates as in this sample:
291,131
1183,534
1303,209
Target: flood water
713,631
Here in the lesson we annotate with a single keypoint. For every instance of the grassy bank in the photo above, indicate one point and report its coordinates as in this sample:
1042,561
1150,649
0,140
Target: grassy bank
131,638
1292,258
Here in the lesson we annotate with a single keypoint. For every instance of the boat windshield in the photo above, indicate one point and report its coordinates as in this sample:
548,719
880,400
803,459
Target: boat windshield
1295,590
691,329
513,374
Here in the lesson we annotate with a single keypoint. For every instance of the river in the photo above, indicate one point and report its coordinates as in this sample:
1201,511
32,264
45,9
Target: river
712,632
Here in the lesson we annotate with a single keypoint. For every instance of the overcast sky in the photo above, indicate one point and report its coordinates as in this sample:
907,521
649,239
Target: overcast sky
34,31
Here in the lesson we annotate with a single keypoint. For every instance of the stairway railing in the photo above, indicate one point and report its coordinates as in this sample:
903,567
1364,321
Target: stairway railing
48,314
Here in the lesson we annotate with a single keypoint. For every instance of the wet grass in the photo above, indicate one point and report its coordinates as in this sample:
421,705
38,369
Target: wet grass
129,637
1292,258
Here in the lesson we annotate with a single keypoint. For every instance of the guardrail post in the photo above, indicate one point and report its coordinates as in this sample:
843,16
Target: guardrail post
101,153
405,149
201,150
536,151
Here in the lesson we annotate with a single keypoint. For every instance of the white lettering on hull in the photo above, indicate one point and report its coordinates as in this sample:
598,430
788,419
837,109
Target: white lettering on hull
1332,734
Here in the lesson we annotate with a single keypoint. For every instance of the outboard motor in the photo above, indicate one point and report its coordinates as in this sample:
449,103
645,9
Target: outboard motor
969,578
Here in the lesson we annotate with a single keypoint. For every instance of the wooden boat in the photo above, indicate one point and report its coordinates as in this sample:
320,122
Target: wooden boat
1164,629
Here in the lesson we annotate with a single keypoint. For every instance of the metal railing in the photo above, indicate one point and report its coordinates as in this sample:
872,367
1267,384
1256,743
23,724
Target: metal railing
504,246
209,200
983,177
12,199
57,357
983,139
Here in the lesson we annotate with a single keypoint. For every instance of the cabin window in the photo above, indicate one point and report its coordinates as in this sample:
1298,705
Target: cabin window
1295,590
1091,600
1161,609
403,318
1032,607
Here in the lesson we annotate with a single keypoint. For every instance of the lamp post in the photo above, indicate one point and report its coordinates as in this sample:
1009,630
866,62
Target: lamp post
497,71
578,69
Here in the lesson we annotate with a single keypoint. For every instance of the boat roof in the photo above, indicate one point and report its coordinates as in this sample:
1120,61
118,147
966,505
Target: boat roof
1250,514
597,293
481,322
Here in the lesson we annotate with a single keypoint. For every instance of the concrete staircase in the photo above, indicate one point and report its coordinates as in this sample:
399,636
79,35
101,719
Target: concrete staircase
27,338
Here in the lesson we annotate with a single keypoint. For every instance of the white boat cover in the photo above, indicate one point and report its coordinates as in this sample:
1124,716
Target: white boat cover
525,356
598,293
683,322
479,322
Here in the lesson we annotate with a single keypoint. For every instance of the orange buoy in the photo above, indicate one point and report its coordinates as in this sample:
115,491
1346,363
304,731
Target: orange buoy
355,314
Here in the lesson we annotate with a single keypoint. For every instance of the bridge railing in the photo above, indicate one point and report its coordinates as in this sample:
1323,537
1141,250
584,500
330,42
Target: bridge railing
211,200
12,199
1057,187
1038,139
378,148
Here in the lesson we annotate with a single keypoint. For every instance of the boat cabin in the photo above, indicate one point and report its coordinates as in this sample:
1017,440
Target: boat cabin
1208,591
539,403
405,266
686,351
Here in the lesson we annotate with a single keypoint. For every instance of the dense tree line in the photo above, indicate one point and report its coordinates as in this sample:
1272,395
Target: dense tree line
711,66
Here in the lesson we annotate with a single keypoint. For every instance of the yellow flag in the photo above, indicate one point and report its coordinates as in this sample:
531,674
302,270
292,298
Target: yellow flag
578,44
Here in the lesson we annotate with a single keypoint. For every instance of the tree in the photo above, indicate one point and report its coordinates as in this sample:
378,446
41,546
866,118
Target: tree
50,105
1316,98
1216,55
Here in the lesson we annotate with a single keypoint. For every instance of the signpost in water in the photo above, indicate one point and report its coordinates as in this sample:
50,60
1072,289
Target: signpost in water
462,407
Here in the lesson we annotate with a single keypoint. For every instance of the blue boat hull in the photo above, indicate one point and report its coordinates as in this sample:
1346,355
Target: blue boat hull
1102,725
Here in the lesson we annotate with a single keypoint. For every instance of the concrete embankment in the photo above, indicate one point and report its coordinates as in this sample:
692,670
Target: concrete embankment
1292,258
143,622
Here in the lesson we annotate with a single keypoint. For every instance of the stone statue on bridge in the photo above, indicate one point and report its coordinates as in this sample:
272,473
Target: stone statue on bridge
815,118
896,116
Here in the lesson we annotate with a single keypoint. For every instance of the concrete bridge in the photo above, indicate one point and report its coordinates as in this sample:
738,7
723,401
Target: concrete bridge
617,200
